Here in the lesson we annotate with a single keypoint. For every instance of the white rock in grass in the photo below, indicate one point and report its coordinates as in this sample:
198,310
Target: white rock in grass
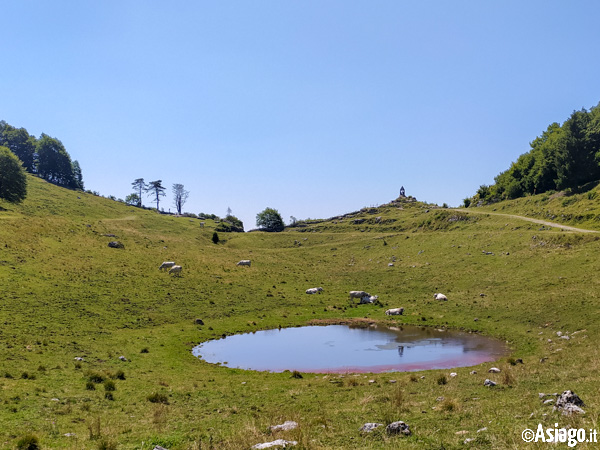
278,443
285,426
370,426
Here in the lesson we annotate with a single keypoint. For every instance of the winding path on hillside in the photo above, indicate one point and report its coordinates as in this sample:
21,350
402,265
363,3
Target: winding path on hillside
529,219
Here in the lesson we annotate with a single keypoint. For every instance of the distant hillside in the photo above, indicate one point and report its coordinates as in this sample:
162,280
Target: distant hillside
564,157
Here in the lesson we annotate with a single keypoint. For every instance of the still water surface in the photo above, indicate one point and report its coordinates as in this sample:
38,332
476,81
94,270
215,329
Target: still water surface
347,348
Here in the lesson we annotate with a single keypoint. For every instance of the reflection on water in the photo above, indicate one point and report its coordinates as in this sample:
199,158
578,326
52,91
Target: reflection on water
343,348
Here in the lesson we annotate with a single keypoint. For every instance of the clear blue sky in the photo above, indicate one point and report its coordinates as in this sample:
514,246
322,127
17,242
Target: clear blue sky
315,108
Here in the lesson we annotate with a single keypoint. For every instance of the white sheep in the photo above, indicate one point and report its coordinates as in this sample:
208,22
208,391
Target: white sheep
166,265
440,297
244,262
358,294
368,299
394,312
175,269
316,290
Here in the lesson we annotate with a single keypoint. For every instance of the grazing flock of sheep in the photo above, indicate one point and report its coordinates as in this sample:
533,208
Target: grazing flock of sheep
364,297
171,266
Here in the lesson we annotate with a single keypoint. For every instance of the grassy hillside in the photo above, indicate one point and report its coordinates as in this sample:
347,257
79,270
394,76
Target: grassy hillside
66,295
580,209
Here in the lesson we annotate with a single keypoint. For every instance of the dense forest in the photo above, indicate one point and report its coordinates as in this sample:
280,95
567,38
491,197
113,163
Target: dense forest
45,157
564,157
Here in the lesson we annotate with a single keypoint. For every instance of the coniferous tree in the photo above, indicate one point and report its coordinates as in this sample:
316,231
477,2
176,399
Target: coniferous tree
156,190
140,186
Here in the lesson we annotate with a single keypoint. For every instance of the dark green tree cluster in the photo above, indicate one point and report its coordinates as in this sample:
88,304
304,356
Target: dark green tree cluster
270,220
564,156
46,156
230,224
13,181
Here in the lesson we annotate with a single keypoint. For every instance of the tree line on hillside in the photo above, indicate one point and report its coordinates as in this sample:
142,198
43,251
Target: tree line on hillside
45,157
267,220
563,157
156,190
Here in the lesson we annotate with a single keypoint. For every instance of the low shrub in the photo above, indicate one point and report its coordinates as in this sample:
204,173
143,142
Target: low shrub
28,442
157,397
95,377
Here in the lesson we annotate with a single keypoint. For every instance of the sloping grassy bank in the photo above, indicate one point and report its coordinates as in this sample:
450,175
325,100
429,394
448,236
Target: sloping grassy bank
66,295
576,208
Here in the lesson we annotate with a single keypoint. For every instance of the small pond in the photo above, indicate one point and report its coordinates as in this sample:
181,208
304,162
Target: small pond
351,348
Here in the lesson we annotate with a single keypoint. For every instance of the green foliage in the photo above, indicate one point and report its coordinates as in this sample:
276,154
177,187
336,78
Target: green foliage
106,444
133,199
46,156
95,377
230,224
139,186
28,442
269,220
77,176
562,157
157,397
18,141
54,163
204,216
157,190
13,181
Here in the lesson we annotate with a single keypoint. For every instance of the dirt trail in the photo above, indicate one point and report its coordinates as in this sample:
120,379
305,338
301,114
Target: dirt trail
529,219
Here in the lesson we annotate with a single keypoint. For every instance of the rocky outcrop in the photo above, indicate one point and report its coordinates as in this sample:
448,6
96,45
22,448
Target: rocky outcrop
569,403
398,428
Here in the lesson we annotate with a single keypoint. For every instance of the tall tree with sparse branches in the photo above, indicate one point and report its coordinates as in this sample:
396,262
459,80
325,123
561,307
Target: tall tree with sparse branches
157,190
180,197
139,186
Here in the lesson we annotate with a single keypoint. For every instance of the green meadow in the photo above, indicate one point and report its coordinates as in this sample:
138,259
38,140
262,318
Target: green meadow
65,294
